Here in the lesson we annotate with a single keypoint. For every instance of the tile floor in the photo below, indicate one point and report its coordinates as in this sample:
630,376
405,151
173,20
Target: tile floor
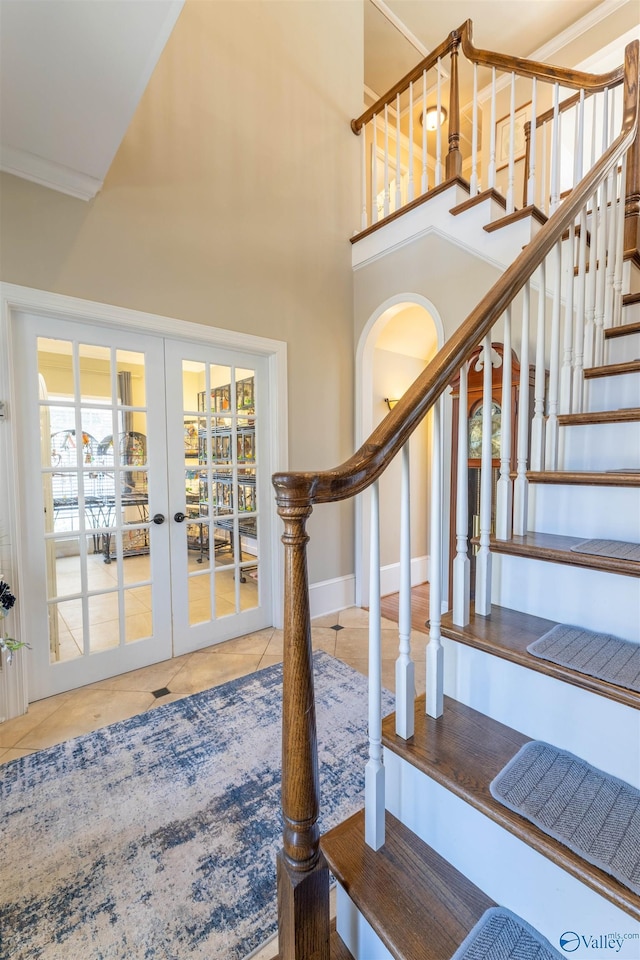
58,718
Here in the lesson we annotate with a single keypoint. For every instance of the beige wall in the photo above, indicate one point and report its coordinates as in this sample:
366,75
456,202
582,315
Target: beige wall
230,202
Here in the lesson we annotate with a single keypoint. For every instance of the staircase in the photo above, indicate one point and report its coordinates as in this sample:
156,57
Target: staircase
434,849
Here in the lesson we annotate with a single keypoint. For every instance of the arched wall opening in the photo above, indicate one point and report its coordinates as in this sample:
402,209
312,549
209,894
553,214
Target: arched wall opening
402,335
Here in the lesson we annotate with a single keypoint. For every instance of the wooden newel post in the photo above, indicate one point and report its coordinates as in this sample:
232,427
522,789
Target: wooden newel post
632,186
527,162
303,876
453,166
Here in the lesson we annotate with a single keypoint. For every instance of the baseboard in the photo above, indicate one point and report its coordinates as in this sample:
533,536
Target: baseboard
390,575
328,596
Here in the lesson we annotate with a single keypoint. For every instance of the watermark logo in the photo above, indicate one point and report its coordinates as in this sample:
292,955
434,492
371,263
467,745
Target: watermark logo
570,941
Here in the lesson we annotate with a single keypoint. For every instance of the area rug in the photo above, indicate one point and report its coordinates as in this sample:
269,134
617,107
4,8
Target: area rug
500,934
616,549
594,814
595,654
156,837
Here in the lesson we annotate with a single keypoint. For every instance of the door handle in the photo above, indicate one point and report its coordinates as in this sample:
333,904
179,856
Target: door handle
179,517
158,518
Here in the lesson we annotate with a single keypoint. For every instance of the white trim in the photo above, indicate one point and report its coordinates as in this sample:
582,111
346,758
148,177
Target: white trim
390,575
363,415
14,299
401,27
330,596
48,173
561,40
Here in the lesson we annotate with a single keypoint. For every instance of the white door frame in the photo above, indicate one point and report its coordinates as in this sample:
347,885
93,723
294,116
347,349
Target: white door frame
15,299
364,418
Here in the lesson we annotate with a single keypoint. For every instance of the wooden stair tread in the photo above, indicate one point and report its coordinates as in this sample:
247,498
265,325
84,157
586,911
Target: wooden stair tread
625,329
464,750
612,369
629,298
530,211
623,415
432,907
617,478
489,194
557,549
506,633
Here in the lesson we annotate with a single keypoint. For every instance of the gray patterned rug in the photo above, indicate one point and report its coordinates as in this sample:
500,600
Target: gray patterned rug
598,655
594,814
616,549
500,934
156,837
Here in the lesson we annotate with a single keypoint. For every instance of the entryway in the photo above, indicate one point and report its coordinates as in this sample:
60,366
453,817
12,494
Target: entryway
144,493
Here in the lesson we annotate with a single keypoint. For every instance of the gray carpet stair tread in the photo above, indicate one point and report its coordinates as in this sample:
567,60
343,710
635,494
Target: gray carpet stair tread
433,907
594,814
502,935
463,751
509,634
599,655
557,548
614,549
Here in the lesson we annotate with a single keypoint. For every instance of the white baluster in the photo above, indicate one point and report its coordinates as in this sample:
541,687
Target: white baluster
398,198
363,220
555,150
512,136
492,138
438,129
566,372
483,558
410,187
387,183
551,431
521,485
598,335
374,770
473,183
425,170
578,342
405,668
611,241
579,148
461,564
537,425
435,653
544,192
531,185
590,322
374,173
617,306
504,491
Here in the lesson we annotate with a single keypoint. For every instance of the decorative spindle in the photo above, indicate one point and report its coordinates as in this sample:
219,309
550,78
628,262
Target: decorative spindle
438,128
405,668
551,431
512,137
537,425
566,372
521,485
398,196
374,173
492,135
363,219
483,558
461,564
410,187
435,653
617,306
590,314
454,157
374,770
387,182
473,184
555,150
578,342
504,491
425,171
531,183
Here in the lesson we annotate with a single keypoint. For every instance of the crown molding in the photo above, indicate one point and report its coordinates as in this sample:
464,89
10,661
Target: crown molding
47,173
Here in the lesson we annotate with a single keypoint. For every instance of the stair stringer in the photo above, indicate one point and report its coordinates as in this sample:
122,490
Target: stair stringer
545,708
503,866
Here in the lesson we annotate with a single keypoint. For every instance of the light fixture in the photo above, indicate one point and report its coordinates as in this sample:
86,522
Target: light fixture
429,117
390,403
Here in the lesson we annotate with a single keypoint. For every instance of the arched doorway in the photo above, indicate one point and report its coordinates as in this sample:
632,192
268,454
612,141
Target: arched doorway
398,340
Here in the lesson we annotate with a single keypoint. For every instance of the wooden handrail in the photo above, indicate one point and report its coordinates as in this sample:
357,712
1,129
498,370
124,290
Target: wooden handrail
366,465
519,65
303,880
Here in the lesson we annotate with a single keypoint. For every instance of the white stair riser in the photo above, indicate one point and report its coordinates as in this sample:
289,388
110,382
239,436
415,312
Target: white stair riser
506,868
612,513
357,933
545,708
622,349
630,277
609,602
612,392
600,446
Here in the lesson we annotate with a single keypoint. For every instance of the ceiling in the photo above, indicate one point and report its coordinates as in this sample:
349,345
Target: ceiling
72,71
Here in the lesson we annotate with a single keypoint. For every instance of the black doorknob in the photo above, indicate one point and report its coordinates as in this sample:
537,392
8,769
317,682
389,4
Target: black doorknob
179,517
158,518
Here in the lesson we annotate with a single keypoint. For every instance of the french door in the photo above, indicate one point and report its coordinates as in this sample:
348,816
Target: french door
143,484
